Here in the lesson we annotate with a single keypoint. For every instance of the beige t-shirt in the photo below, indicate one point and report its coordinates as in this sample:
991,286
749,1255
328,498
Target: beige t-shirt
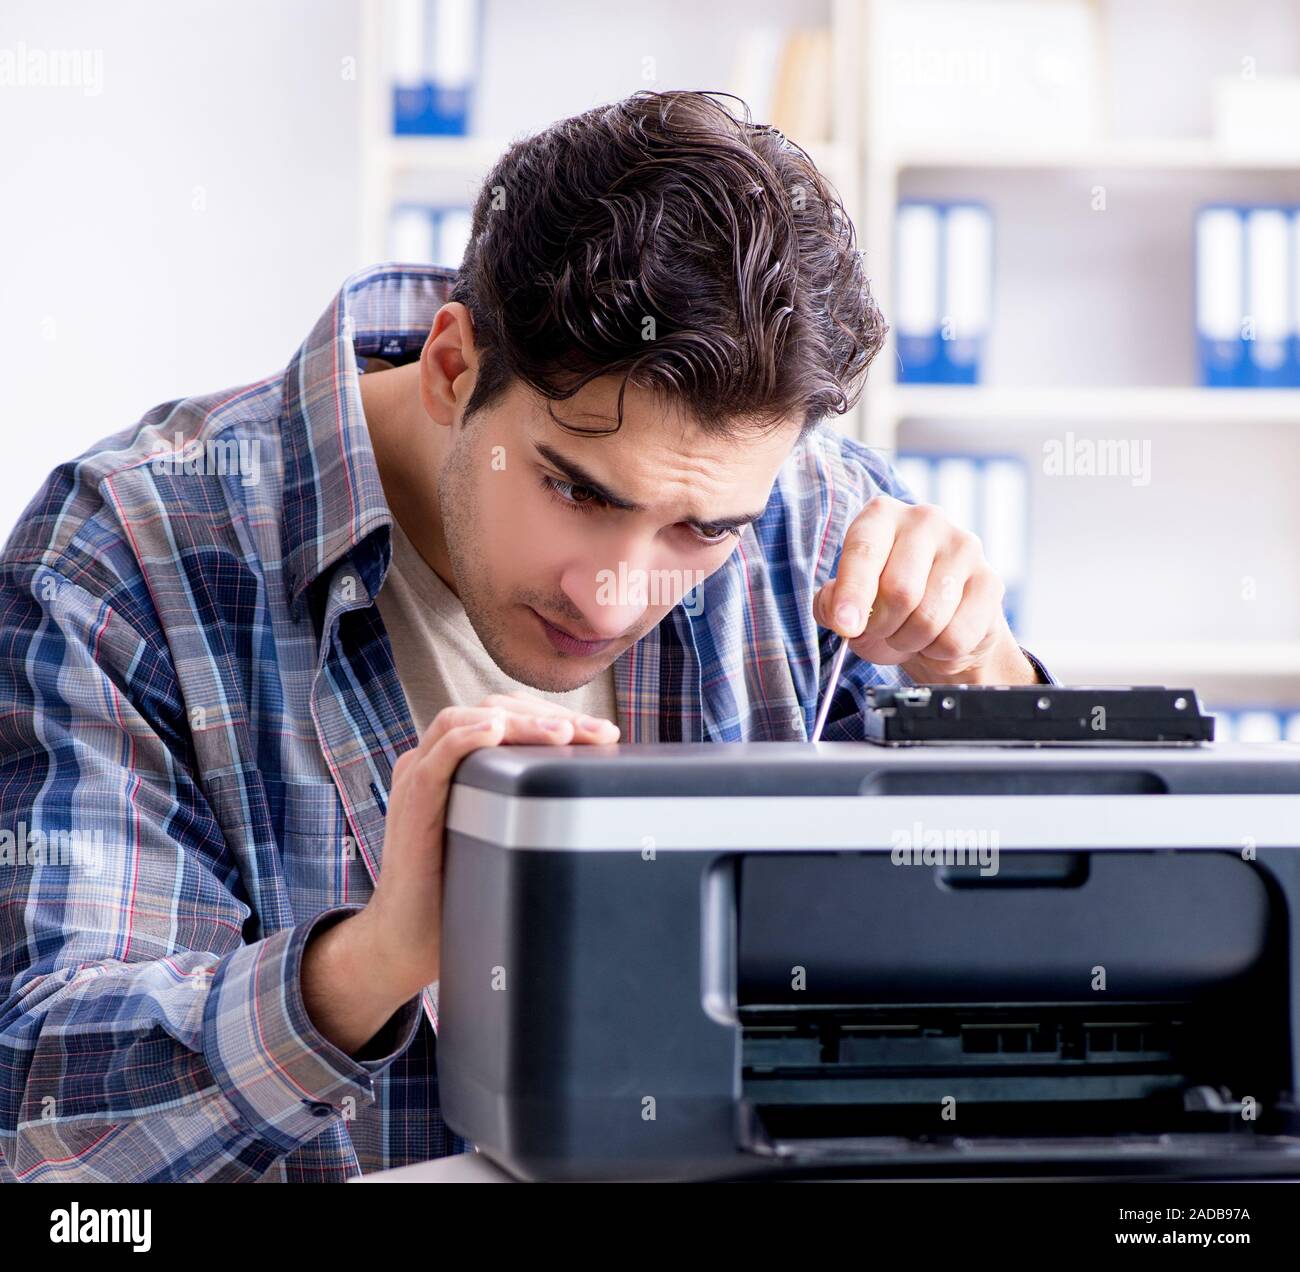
440,660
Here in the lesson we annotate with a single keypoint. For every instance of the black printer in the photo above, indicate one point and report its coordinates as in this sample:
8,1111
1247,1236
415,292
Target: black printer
693,961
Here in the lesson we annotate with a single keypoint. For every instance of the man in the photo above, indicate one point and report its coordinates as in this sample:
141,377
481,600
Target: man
578,491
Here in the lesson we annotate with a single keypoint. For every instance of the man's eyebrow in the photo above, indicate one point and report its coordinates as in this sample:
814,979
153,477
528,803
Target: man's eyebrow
579,476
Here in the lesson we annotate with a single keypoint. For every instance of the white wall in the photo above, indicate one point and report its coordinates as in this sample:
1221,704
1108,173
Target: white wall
118,291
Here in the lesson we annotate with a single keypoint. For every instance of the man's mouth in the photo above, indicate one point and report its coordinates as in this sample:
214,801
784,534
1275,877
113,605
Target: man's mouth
566,642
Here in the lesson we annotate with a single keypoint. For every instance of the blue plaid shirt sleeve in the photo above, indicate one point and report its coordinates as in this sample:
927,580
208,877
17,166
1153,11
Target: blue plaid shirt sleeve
142,1035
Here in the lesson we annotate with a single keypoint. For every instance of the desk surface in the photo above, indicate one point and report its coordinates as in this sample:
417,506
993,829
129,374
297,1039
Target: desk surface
460,1168
474,1168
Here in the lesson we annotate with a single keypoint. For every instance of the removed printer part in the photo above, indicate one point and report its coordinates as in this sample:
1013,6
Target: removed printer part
1036,715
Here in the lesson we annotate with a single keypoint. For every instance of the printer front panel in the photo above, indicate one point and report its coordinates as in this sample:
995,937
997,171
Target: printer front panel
574,1041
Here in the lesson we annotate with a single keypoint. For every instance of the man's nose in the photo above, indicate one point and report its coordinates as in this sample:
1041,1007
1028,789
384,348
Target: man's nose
612,597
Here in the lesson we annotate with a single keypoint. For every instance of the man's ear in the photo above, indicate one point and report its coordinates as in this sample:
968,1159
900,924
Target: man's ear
448,364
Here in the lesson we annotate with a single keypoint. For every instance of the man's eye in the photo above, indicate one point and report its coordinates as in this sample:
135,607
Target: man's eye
574,496
718,536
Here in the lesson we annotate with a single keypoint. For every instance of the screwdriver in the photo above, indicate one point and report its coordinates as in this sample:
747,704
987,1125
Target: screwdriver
832,684
825,709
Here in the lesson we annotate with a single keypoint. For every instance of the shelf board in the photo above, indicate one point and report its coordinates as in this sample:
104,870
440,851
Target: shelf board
1089,405
1178,664
456,155
1154,154
475,156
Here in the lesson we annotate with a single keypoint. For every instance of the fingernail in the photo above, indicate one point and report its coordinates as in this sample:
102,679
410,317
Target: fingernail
594,722
551,723
494,721
848,617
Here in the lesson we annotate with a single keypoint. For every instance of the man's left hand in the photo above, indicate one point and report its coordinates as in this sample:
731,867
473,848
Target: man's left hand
935,603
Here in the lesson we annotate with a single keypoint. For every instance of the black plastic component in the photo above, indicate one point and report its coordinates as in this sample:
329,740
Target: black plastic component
1036,715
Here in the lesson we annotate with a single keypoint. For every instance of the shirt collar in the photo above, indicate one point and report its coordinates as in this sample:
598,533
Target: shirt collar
333,497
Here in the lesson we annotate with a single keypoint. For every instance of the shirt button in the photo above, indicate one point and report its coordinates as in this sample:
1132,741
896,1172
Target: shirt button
319,1109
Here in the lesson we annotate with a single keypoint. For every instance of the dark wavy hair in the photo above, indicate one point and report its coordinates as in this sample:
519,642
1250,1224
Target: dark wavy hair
670,241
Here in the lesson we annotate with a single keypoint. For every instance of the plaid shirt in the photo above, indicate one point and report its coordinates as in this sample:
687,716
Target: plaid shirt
202,717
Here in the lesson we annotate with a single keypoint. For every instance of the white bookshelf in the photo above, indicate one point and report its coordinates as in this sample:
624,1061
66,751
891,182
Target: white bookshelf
888,170
458,162
1254,430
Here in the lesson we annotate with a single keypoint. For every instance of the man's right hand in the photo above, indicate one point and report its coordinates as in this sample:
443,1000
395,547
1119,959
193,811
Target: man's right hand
359,971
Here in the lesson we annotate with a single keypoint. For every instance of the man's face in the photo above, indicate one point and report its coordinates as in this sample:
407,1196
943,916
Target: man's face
568,549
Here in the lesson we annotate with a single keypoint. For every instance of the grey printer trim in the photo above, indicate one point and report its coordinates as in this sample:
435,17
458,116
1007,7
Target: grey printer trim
865,823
